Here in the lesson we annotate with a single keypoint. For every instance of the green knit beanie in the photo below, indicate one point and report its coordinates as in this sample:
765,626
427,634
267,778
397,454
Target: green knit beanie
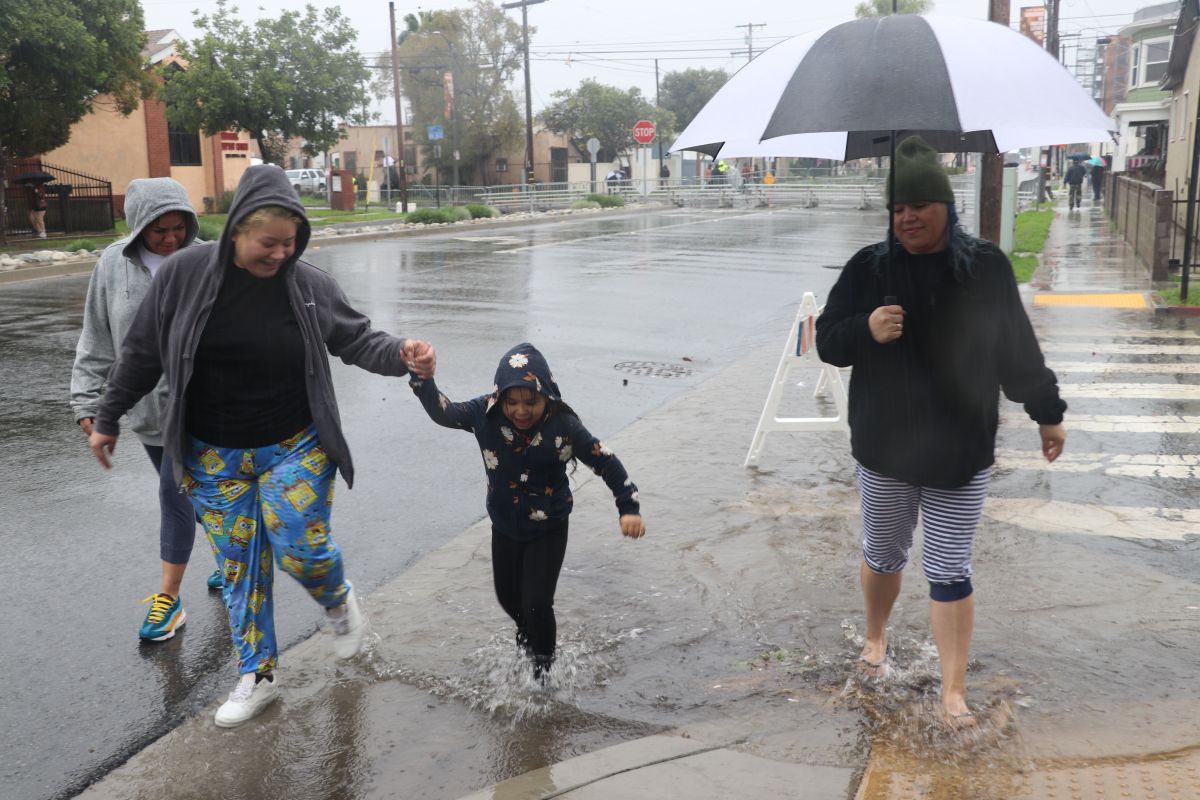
918,175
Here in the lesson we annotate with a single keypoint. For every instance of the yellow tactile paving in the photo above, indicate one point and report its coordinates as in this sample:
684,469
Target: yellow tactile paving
1098,299
1170,776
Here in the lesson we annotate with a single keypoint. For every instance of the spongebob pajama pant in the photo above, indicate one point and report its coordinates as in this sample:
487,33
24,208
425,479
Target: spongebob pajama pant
261,503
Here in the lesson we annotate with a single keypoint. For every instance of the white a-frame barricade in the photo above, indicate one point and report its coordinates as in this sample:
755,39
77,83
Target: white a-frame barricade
801,351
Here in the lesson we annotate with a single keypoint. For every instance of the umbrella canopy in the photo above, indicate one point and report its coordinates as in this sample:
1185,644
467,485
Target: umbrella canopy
1077,156
963,85
36,176
1096,162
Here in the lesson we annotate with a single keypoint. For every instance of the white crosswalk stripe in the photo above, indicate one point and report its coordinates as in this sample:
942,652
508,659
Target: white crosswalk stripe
1130,465
1122,349
1130,391
1125,522
1119,423
1118,367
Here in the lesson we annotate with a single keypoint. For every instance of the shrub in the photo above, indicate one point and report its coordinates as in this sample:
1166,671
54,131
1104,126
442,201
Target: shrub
226,202
459,213
583,202
210,229
606,200
481,211
430,216
79,244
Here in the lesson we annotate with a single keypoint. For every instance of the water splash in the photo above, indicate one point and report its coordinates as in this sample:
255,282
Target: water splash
498,678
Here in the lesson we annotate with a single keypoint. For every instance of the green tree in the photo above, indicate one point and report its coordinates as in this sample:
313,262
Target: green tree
296,76
57,57
480,46
606,112
883,8
685,93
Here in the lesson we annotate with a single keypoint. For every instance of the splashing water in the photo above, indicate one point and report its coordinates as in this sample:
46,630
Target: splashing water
499,677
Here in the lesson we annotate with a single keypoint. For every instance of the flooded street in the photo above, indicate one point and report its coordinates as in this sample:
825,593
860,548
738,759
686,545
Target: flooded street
734,623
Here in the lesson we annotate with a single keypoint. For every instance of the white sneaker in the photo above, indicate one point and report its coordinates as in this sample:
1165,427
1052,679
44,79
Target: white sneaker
349,626
247,700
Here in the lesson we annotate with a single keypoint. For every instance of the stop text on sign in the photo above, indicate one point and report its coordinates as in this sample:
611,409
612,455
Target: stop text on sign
644,132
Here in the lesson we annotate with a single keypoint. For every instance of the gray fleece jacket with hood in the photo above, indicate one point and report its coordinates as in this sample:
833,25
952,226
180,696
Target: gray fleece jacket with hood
119,282
163,337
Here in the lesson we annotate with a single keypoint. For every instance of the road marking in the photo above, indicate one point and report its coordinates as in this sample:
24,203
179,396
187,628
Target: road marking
1103,335
1126,465
1122,522
1097,299
1120,423
1115,367
1123,349
1131,391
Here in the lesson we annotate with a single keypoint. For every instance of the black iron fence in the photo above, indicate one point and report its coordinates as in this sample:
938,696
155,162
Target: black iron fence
75,201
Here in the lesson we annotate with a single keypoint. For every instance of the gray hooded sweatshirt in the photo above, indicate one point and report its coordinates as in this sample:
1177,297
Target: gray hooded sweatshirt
163,337
119,282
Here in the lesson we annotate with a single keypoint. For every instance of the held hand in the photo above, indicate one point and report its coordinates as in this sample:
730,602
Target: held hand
1053,437
102,448
632,526
86,425
886,323
420,357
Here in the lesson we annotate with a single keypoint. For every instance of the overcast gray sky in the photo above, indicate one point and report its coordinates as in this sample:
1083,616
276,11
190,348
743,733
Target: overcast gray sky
578,39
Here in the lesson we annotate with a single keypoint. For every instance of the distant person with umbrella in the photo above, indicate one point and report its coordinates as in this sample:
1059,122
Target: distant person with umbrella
933,325
1097,177
161,223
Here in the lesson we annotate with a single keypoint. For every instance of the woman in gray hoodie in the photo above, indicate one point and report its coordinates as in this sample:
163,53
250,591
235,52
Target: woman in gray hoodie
161,222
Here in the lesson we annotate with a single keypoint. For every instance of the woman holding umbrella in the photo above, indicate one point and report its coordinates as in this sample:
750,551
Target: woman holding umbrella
933,325
37,207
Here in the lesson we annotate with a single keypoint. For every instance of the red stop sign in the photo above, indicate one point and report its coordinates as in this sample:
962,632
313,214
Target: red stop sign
644,132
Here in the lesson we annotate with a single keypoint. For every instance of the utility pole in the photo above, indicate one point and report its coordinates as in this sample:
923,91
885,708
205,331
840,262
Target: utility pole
657,105
991,167
749,51
524,6
399,114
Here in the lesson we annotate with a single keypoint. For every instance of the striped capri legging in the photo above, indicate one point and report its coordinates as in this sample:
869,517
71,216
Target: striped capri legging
949,518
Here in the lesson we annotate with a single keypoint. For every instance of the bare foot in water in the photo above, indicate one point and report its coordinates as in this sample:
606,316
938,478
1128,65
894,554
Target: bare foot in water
872,661
957,715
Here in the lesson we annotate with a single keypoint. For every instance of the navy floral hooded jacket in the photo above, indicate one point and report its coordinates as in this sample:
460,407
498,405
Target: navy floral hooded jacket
527,486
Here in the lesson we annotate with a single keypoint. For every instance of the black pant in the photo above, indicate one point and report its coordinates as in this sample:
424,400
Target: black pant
526,575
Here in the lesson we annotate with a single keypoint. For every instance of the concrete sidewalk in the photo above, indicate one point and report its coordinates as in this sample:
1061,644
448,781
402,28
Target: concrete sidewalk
752,732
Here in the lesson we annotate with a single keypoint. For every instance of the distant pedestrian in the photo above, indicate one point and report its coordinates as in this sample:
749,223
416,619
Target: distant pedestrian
1074,180
161,223
528,435
1097,178
243,330
932,322
1047,190
36,196
664,175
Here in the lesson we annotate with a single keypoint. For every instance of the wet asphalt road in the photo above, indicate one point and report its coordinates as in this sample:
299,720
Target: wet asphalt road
681,290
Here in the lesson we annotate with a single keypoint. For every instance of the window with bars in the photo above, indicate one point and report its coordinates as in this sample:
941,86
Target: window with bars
184,147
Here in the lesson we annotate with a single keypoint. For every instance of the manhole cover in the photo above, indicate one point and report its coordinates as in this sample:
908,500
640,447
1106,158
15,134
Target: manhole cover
654,369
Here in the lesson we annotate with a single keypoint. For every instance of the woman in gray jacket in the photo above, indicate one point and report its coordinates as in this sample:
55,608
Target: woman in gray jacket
241,329
161,222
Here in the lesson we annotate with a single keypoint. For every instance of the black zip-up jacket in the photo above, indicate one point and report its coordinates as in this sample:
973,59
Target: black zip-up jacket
924,408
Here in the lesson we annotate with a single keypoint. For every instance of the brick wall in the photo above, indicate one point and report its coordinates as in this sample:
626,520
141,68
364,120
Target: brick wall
158,144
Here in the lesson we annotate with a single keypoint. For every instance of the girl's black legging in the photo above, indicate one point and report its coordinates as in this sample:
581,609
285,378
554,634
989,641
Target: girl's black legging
526,574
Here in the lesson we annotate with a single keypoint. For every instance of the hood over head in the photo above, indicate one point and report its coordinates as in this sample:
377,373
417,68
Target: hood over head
264,185
524,366
147,199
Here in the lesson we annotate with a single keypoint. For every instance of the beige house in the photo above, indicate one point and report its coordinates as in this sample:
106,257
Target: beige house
144,145
1182,81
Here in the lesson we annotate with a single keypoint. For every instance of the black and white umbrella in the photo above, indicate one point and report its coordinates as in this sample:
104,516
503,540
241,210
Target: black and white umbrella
963,85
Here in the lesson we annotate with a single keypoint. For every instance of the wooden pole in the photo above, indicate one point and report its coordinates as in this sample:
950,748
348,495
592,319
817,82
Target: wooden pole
991,178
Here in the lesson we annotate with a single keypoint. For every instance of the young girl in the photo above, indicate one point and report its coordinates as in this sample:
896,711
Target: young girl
527,434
